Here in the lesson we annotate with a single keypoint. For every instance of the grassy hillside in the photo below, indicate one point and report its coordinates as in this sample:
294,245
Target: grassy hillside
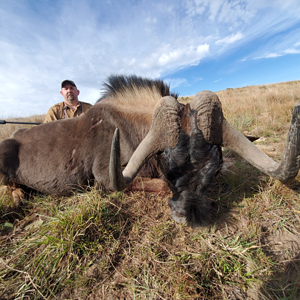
98,245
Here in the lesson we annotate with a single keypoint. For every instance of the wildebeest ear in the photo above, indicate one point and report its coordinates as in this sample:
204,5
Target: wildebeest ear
251,138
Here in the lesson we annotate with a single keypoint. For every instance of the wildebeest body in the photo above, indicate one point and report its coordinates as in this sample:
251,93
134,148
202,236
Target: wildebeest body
60,156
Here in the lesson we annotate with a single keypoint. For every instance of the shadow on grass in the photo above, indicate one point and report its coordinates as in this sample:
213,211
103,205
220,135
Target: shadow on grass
285,282
293,185
229,189
281,245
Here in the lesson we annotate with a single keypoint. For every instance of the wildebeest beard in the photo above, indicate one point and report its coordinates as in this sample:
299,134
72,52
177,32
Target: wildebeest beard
189,168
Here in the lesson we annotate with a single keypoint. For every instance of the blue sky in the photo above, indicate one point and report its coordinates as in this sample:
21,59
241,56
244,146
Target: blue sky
193,45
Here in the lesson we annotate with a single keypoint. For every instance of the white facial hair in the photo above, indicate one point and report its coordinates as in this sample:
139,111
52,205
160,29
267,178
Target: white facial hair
71,97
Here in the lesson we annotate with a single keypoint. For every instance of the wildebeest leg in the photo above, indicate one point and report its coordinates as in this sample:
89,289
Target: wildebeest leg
148,185
9,161
4,189
14,191
17,194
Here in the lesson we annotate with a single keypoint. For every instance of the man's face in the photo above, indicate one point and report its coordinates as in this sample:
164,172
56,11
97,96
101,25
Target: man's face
70,93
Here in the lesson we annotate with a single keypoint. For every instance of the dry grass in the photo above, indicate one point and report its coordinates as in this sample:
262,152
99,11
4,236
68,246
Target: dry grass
126,246
7,129
263,109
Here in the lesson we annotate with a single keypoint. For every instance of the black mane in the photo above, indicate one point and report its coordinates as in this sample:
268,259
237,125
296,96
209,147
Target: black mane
118,83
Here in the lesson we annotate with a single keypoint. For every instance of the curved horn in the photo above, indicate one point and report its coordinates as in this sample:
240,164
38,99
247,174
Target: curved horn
209,116
234,140
290,162
164,132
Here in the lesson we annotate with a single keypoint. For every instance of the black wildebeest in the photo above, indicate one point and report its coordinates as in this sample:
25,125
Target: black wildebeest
156,136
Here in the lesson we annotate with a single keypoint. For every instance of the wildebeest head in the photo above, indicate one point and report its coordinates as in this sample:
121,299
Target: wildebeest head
187,141
189,154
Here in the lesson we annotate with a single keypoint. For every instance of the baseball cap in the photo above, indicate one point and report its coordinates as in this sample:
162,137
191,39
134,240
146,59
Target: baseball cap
67,81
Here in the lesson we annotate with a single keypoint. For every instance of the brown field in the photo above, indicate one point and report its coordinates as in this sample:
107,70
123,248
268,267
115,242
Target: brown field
97,245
